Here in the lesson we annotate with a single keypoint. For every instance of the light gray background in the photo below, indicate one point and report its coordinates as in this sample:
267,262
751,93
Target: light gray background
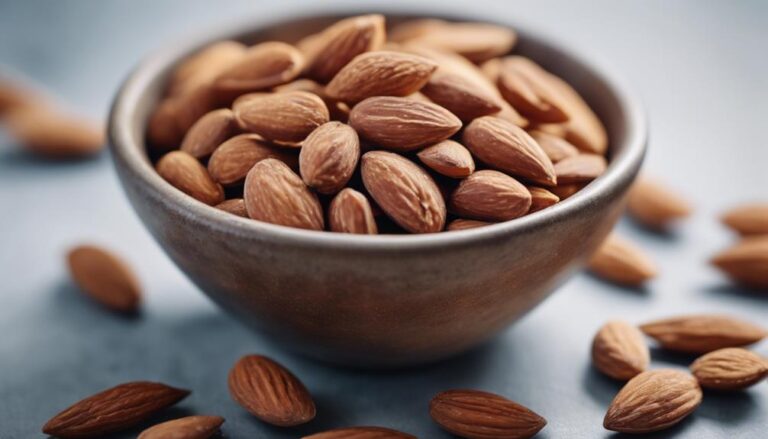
700,66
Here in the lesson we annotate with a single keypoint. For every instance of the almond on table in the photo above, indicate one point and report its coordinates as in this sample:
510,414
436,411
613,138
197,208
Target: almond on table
655,205
190,427
746,262
702,333
619,261
730,369
105,277
748,219
619,350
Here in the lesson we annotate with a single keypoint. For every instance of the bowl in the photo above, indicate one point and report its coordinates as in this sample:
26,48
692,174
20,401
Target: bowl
378,301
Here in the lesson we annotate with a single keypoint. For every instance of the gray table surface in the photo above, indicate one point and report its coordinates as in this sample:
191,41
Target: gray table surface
700,66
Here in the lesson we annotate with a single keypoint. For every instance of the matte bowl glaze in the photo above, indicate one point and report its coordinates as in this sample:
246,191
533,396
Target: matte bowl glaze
378,301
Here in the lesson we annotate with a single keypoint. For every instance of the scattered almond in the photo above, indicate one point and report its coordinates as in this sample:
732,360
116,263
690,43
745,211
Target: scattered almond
554,147
287,117
186,174
190,427
209,132
748,219
619,350
529,89
262,66
580,168
654,205
448,158
232,160
746,262
541,198
52,134
729,369
235,206
464,224
619,261
361,433
105,278
329,157
703,333
490,196
350,212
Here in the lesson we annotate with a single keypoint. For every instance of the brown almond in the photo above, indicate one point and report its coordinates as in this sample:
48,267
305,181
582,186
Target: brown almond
554,147
478,42
541,198
703,333
209,132
270,392
746,262
404,191
190,427
204,66
402,124
15,95
53,134
619,350
654,205
105,278
329,157
361,433
285,117
235,206
653,401
748,219
483,415
188,175
583,129
163,131
190,106
231,161
408,30
460,95
275,194
528,88
491,69
509,148
621,262
564,191
464,224
350,212
114,409
490,196
448,158
262,66
729,369
338,110
580,168
380,73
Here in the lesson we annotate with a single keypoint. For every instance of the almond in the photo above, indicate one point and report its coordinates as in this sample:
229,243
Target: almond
583,129
408,30
350,212
653,401
654,205
565,191
113,409
490,196
190,427
361,433
105,278
448,158
286,117
619,350
483,415
270,392
275,194
262,66
507,147
203,67
404,191
163,131
15,95
381,73
619,261
580,168
541,198
235,206
209,132
464,224
748,219
477,42
746,262
186,174
190,106
528,88
53,134
554,147
402,124
337,110
729,369
329,157
703,333
232,160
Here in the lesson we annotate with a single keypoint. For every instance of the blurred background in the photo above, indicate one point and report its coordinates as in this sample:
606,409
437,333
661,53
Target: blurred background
699,66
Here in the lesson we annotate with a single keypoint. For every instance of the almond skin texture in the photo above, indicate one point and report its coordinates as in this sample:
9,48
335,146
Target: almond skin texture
235,206
554,147
285,117
350,212
490,196
619,261
186,174
381,73
746,262
361,433
270,392
654,205
191,427
528,88
464,224
703,333
619,350
329,157
232,160
113,410
477,42
402,124
748,219
653,401
404,191
475,414
448,158
275,194
541,198
508,148
54,135
729,369
209,132
105,278
579,169
262,66
204,66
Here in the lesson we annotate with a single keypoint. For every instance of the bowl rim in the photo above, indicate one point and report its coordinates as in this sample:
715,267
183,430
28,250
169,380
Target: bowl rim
126,145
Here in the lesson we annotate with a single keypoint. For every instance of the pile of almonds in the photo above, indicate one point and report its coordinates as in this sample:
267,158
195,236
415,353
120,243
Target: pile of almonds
436,128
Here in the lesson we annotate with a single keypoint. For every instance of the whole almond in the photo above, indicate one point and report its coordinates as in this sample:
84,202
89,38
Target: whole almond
329,157
654,205
748,219
163,131
204,66
583,128
507,147
481,415
275,194
746,262
729,369
541,198
653,401
52,134
262,66
460,95
619,350
105,278
404,191
381,73
287,117
619,261
448,158
350,212
554,147
477,42
186,174
270,392
490,196
190,427
464,224
580,168
231,161
114,409
209,132
528,87
361,433
703,333
408,30
235,206
338,110
402,124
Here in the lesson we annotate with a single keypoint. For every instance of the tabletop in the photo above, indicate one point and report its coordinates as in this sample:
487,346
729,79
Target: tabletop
700,67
